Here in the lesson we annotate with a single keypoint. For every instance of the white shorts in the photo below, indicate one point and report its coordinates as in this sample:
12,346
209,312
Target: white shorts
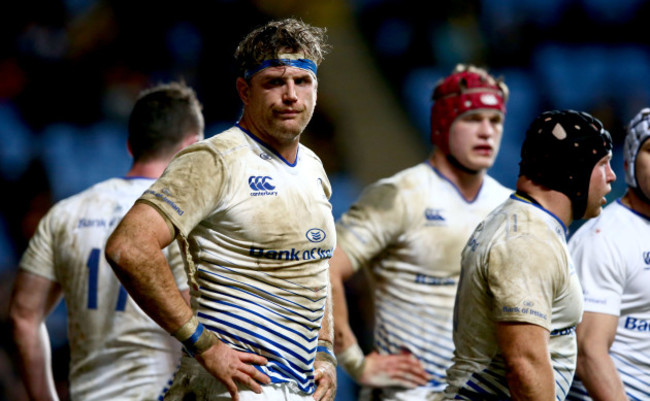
399,394
194,381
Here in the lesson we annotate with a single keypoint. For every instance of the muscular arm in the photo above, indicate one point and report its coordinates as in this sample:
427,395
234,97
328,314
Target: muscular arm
595,367
134,251
529,373
375,370
32,299
340,271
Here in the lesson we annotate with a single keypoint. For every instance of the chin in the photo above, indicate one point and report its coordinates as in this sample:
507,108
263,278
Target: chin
593,213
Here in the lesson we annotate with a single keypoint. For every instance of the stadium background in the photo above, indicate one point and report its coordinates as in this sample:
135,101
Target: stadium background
70,71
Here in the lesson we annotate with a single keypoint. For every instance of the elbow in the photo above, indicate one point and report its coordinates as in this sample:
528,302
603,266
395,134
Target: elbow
115,250
21,325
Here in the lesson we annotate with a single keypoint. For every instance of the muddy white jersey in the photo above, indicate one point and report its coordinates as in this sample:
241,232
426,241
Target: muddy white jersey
408,230
259,233
515,268
116,351
612,256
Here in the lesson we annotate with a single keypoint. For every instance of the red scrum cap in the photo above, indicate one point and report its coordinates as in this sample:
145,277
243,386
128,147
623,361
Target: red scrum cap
468,88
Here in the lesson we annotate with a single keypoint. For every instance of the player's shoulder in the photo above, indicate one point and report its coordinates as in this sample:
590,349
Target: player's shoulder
525,221
305,153
495,186
411,178
223,142
93,191
609,225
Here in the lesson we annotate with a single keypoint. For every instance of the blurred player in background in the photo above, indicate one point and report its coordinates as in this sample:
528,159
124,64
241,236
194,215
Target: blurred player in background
251,206
408,231
612,256
519,298
117,351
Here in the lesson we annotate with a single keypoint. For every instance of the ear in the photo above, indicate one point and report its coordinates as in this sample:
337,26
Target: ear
244,90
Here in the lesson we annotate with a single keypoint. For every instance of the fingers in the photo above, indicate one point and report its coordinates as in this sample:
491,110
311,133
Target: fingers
325,389
322,394
325,379
252,359
389,370
232,389
248,381
254,374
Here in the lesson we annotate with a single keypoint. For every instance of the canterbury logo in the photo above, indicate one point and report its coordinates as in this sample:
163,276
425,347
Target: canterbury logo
433,215
259,183
646,257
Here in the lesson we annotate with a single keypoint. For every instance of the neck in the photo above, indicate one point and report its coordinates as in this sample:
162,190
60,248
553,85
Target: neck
467,181
287,148
632,200
150,169
554,201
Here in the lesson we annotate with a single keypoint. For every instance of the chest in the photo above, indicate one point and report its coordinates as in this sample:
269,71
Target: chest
276,206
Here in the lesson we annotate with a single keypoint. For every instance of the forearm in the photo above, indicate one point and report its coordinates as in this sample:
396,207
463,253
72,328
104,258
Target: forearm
531,380
346,347
340,270
597,372
595,367
529,373
32,349
33,297
343,335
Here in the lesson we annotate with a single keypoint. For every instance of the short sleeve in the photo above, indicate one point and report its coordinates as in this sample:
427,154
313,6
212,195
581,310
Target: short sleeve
189,189
522,278
602,277
38,258
371,224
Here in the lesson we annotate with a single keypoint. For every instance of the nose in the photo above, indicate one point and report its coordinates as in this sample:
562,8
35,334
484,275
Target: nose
486,128
290,95
611,175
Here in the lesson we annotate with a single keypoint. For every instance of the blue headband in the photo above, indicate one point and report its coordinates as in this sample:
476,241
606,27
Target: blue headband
302,63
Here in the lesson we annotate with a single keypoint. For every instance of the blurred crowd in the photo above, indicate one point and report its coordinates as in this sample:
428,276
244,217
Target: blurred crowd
70,71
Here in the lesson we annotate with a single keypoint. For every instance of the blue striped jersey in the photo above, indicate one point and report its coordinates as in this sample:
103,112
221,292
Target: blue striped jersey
258,234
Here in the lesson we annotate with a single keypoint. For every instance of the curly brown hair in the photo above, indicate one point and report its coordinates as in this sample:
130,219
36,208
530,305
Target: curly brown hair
280,36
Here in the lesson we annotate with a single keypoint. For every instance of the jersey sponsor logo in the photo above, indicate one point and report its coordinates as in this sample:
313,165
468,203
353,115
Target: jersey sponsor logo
292,254
101,223
315,235
524,311
262,185
165,199
635,324
430,280
646,258
563,332
265,156
434,217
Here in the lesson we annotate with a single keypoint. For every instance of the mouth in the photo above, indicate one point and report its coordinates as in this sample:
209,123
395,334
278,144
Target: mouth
484,150
287,113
